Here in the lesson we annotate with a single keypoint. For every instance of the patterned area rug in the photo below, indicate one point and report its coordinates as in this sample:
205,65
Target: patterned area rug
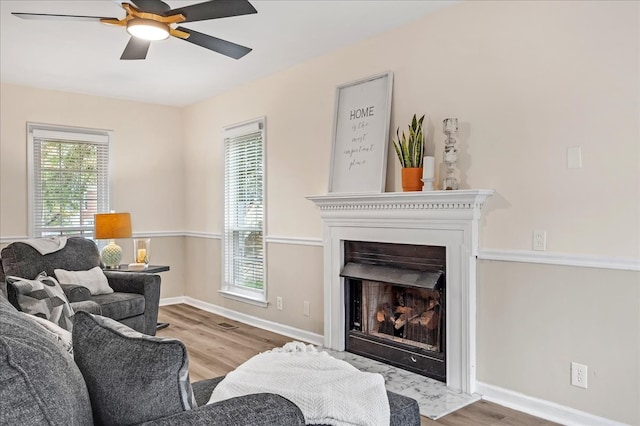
434,398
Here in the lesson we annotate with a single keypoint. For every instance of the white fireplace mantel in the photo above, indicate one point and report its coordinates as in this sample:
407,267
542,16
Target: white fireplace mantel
440,218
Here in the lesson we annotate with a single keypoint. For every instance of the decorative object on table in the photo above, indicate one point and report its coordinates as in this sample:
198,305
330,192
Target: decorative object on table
428,171
450,128
111,226
142,251
360,135
410,151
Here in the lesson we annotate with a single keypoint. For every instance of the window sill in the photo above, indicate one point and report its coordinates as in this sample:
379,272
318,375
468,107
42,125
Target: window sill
228,294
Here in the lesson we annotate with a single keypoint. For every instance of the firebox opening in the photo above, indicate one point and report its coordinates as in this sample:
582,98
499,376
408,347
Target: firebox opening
395,305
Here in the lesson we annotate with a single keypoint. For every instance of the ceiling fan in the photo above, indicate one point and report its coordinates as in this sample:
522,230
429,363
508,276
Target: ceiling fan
150,20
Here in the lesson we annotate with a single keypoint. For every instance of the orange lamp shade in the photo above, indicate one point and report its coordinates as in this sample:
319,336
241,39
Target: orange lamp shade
112,225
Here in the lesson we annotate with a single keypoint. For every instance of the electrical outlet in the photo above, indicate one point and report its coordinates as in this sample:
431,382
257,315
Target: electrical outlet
579,375
305,309
540,240
279,303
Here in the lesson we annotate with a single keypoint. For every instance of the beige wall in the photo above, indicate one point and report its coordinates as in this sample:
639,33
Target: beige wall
146,150
293,272
527,80
534,320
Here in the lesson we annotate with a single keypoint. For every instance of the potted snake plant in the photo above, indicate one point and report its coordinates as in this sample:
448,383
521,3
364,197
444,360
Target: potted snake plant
410,151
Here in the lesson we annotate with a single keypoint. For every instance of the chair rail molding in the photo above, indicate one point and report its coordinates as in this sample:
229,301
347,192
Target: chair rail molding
562,259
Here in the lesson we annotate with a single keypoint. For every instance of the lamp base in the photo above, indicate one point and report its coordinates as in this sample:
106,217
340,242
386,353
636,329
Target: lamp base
112,255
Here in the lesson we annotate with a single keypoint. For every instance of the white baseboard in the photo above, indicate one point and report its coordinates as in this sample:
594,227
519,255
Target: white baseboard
540,407
295,333
172,300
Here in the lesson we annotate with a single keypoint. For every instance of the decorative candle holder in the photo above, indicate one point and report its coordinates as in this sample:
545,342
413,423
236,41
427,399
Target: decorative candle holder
450,128
428,167
427,184
142,250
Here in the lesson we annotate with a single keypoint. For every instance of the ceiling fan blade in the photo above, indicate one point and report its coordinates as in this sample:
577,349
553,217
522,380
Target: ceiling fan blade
214,9
224,47
49,17
136,49
152,6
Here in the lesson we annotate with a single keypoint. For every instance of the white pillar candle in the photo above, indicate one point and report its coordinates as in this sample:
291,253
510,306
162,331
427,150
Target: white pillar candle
428,167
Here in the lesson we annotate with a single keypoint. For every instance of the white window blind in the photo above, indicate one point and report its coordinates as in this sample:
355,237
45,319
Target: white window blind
69,180
244,210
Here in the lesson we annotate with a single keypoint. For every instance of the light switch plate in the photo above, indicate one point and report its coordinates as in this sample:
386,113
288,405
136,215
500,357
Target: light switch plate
574,157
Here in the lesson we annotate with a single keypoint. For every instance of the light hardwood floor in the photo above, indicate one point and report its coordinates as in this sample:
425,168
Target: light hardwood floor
215,349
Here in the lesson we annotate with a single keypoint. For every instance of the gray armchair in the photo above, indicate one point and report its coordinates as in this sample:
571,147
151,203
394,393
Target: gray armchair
135,299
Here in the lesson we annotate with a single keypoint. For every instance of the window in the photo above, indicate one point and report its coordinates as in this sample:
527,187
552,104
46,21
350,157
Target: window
68,179
244,253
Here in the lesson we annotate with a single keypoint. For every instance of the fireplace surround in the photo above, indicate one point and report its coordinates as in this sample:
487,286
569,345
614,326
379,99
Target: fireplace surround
447,219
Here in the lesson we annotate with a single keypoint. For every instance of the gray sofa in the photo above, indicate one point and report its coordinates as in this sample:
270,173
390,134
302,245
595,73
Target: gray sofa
40,383
135,299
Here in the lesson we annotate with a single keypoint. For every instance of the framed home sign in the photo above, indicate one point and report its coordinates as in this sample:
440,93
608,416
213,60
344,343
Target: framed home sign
361,135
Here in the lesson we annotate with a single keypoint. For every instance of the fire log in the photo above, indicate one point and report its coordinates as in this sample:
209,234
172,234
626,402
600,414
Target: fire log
400,321
429,319
432,304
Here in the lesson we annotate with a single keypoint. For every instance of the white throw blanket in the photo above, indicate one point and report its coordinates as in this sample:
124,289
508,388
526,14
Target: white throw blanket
47,245
327,390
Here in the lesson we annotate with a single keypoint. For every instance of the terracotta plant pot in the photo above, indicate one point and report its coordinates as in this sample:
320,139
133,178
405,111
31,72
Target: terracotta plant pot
411,179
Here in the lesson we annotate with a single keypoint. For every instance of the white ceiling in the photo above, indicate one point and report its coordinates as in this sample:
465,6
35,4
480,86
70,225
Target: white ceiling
83,57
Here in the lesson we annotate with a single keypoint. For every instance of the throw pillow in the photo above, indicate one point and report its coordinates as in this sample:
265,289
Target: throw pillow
131,377
39,383
44,298
59,334
93,279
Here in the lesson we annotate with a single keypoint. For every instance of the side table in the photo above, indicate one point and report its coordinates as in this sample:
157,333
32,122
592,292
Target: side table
151,269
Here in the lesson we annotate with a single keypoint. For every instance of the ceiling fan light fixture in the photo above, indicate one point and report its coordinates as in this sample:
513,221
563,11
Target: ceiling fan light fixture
148,29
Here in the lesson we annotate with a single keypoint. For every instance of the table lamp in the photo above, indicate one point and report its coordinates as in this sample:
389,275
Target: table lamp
111,226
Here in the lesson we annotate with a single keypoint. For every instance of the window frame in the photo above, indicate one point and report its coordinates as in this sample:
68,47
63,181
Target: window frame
257,297
95,137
